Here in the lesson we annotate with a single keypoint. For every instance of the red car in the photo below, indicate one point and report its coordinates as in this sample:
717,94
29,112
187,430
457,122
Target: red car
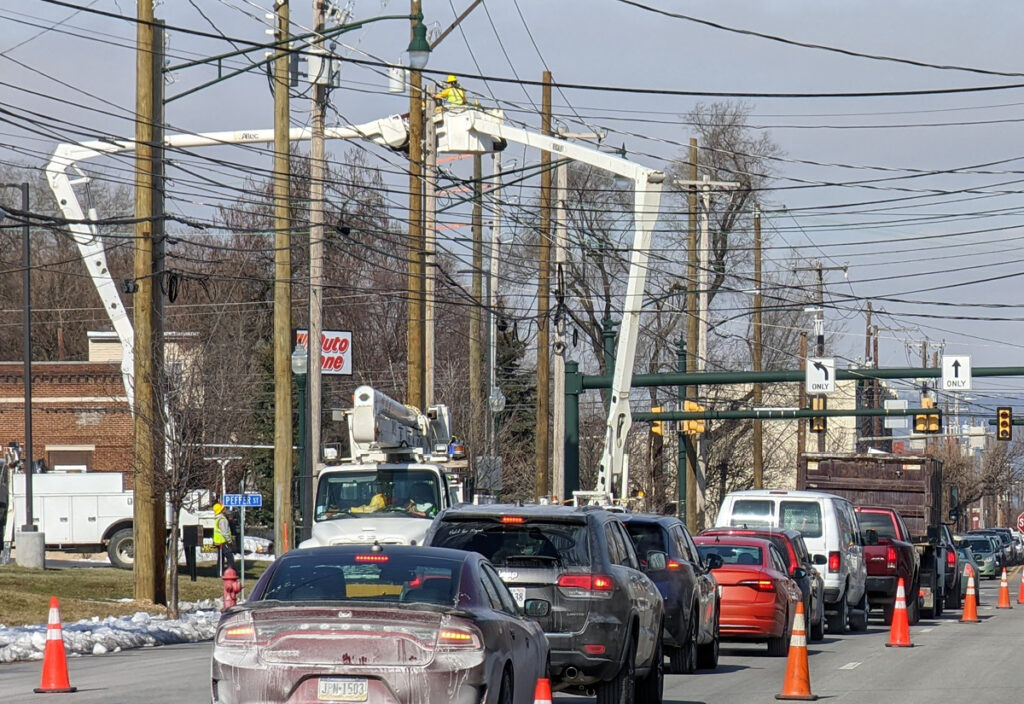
758,598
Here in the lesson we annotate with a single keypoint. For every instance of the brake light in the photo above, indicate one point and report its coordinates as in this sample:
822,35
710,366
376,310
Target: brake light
835,561
371,558
513,519
761,585
951,558
586,585
673,565
458,638
890,558
237,631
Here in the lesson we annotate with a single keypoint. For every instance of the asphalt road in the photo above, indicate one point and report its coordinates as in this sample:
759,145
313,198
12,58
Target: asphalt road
950,662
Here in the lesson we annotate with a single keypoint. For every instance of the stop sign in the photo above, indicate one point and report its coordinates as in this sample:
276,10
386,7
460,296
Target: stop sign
1020,522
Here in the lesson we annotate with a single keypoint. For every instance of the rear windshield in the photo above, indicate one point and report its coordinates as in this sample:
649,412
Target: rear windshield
528,544
881,523
732,554
980,545
646,538
365,577
754,513
804,516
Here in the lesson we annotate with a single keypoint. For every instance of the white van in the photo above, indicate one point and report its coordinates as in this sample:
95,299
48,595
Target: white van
832,533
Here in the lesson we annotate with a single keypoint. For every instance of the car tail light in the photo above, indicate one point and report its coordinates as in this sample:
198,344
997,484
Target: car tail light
761,585
586,585
593,649
238,630
835,561
890,558
951,558
458,639
371,558
513,519
674,565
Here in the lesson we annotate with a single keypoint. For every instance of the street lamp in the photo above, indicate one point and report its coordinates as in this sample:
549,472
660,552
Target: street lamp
419,47
300,368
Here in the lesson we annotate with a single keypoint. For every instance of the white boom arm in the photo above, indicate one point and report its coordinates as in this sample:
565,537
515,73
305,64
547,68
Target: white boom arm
390,131
459,129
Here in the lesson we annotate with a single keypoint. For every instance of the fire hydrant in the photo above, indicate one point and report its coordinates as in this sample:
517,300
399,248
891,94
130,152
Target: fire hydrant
232,588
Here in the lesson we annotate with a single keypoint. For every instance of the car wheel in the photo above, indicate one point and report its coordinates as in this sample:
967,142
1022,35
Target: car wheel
121,550
837,623
506,694
621,689
650,688
684,658
914,604
779,647
953,599
707,654
859,615
817,629
937,611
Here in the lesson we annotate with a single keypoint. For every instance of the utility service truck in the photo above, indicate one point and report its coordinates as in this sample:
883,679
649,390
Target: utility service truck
395,479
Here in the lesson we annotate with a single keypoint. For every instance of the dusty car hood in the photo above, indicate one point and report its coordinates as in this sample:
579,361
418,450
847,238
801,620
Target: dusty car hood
395,530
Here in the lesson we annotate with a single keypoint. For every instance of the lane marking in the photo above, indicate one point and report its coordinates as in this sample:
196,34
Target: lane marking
850,666
927,630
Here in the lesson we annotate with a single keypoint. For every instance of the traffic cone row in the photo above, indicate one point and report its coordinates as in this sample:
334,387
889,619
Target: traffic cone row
797,684
542,692
899,634
1004,593
970,614
55,661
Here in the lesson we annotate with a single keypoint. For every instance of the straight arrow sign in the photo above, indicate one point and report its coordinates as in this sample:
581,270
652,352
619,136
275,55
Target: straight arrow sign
956,373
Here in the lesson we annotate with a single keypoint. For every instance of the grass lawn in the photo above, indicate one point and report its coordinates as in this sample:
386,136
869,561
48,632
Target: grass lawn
96,591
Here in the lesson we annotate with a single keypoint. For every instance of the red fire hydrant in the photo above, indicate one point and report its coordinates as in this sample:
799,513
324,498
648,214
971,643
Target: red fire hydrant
232,588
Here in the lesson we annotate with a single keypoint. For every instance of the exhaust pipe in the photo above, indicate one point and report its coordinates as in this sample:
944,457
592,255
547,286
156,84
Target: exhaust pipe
571,673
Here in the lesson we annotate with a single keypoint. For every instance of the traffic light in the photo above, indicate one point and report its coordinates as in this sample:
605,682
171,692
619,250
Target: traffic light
657,426
819,423
693,427
1004,423
927,422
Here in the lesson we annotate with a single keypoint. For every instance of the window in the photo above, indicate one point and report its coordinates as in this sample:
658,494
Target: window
627,547
69,459
733,554
687,549
500,597
385,492
646,537
804,516
536,543
755,513
881,523
777,562
616,550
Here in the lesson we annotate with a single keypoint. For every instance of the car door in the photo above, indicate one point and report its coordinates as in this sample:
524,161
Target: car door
787,586
649,603
853,548
522,650
705,585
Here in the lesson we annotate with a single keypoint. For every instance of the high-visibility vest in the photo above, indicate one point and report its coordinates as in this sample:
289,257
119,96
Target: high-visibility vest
221,530
453,95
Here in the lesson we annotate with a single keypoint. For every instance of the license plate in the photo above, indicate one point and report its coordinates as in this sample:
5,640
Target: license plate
519,594
342,690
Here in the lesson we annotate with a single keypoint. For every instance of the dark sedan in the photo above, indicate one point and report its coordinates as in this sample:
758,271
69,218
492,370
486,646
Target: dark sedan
392,624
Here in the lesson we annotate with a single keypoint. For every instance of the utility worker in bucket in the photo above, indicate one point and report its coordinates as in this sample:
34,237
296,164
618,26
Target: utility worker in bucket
222,536
453,95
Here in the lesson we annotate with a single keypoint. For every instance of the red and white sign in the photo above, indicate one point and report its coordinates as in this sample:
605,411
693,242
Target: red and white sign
335,350
1020,522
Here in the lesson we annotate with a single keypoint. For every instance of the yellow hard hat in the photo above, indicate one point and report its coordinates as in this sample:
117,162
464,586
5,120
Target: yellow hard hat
218,507
452,78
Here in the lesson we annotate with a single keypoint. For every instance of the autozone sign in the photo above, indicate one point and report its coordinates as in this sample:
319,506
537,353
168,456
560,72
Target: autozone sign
335,350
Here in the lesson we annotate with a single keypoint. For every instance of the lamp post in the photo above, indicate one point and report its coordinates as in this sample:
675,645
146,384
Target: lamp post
300,368
31,546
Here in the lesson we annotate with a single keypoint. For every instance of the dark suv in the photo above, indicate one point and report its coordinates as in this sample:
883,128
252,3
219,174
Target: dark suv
606,618
670,558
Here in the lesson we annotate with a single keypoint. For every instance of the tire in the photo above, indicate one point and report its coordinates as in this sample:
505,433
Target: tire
652,686
837,623
622,688
914,605
684,658
779,647
506,694
887,613
859,616
938,606
121,549
817,630
954,600
707,654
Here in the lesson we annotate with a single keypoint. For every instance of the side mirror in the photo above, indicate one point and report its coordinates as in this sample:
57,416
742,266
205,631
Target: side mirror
657,560
820,559
934,534
714,561
799,573
537,608
871,537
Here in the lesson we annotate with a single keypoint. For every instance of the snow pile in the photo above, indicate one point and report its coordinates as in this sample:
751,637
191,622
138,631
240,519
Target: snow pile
96,636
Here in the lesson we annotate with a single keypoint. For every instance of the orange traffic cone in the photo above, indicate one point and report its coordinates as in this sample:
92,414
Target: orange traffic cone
797,684
55,661
1004,593
970,614
1020,595
542,693
899,634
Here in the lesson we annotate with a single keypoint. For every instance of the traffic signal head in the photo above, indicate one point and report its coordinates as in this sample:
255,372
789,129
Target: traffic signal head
657,426
819,424
696,426
928,422
1004,423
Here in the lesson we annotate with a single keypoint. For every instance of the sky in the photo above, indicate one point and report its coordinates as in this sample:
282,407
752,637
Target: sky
936,253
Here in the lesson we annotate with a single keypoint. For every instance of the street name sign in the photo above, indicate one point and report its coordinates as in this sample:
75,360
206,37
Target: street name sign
820,375
243,500
896,422
956,372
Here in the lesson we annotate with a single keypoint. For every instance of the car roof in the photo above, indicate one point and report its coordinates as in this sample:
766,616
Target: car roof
329,551
875,509
733,540
526,510
790,533
649,519
772,493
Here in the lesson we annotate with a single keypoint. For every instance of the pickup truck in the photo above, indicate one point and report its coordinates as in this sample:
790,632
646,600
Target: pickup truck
890,554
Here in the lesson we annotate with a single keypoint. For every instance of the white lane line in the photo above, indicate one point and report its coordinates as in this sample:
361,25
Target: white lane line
850,666
927,630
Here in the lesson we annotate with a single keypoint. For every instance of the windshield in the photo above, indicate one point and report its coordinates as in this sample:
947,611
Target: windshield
881,523
406,578
383,492
732,554
529,544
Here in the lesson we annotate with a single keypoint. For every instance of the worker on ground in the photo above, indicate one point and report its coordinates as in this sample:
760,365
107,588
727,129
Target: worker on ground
222,537
453,95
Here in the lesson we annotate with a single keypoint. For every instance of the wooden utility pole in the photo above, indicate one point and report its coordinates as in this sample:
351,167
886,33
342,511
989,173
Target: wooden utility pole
477,412
801,424
284,536
543,293
870,390
758,389
416,314
692,333
149,512
429,247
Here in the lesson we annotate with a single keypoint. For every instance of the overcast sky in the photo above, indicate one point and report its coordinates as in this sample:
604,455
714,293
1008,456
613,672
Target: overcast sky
76,81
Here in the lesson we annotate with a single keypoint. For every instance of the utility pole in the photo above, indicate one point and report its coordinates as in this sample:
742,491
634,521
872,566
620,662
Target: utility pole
476,389
543,294
756,353
692,334
495,398
870,390
282,286
801,424
558,441
148,496
317,175
429,245
415,394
